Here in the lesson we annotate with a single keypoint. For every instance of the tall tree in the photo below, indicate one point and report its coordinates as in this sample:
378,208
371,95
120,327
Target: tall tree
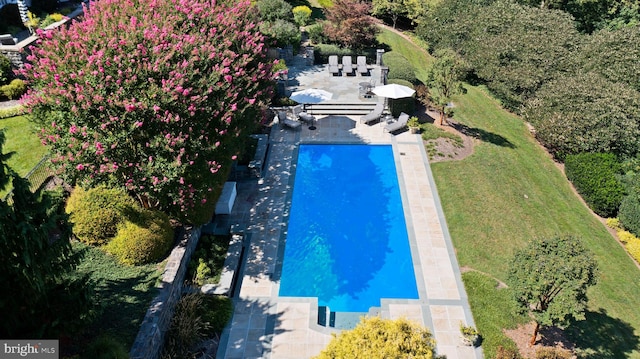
392,9
39,296
155,97
445,80
349,24
549,279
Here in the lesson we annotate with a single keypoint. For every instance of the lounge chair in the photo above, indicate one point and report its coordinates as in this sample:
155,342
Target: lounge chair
334,68
361,64
373,115
395,126
347,65
301,115
287,122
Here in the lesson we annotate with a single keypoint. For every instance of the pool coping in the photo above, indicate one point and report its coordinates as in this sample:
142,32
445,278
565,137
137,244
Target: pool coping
425,302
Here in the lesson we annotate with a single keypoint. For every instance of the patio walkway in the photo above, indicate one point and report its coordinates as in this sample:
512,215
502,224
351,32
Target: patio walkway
265,325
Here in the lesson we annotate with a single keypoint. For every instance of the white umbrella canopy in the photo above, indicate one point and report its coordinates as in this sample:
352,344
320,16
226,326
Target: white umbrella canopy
393,91
311,96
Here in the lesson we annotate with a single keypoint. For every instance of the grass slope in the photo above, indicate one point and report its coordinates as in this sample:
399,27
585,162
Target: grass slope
510,191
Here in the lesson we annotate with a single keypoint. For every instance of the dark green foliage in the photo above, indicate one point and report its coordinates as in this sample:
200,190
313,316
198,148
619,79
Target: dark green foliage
595,176
40,296
40,7
142,239
272,10
316,33
96,213
283,32
549,279
614,55
5,70
14,89
399,67
106,347
217,311
586,113
323,51
629,213
444,79
210,253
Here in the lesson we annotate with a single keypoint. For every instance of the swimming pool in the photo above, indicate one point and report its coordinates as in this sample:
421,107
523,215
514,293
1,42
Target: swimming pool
347,240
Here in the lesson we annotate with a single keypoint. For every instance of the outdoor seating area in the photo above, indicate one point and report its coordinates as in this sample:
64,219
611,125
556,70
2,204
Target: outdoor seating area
348,67
398,124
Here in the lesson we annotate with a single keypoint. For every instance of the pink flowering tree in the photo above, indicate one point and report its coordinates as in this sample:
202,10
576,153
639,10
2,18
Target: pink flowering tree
154,96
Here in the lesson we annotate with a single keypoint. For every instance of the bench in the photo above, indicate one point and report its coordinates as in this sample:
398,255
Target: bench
257,164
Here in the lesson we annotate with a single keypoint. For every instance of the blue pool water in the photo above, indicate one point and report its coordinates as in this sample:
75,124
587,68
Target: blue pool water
347,239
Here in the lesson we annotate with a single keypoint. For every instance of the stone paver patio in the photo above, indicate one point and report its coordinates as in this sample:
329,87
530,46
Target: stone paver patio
265,325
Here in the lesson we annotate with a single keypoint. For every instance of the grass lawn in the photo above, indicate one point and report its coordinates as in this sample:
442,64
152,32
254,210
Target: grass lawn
508,192
417,56
20,138
123,293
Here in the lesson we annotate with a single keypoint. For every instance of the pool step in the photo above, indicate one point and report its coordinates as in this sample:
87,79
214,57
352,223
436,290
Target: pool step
340,320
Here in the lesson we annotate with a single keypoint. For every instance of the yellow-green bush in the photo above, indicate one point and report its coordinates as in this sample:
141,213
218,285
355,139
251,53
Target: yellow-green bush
625,236
381,338
613,223
633,247
301,15
144,238
14,89
97,212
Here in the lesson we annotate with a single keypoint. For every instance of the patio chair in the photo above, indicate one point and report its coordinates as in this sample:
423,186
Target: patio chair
361,64
373,115
302,115
347,65
287,122
334,68
397,125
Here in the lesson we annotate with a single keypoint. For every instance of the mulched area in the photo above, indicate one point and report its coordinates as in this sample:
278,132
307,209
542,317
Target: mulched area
548,337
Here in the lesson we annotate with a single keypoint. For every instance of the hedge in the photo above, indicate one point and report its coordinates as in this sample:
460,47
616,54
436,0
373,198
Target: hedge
595,177
629,213
399,67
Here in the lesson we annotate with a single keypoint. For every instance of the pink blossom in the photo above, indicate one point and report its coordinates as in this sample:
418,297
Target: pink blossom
80,167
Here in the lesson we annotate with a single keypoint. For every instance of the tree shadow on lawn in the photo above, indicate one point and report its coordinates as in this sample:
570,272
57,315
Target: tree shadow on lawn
482,135
602,337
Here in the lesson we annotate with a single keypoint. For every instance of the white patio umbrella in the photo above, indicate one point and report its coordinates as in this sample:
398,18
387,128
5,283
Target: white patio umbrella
311,96
393,91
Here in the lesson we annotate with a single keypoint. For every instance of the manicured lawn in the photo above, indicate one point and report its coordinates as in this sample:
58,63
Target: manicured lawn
20,138
417,56
508,192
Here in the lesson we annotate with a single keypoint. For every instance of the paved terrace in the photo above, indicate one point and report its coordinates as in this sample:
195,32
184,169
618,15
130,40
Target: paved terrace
265,325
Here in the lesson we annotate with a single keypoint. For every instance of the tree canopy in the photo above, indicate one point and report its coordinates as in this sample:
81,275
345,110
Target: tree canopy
445,80
349,24
549,279
155,97
377,338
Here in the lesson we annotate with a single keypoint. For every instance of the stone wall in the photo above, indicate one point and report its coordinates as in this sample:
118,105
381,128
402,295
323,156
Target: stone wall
150,338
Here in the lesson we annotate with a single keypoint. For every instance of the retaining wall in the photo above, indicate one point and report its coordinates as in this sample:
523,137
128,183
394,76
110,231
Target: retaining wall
150,338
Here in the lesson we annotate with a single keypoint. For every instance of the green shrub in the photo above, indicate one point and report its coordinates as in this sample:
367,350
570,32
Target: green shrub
208,259
629,213
595,177
50,19
316,33
553,353
12,111
217,311
282,31
14,89
399,67
301,15
105,347
5,70
142,239
97,212
323,51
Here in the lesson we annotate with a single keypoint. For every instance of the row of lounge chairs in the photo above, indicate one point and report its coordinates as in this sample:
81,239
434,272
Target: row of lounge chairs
347,65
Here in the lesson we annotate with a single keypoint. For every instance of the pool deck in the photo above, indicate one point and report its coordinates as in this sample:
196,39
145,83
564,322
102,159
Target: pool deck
265,325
